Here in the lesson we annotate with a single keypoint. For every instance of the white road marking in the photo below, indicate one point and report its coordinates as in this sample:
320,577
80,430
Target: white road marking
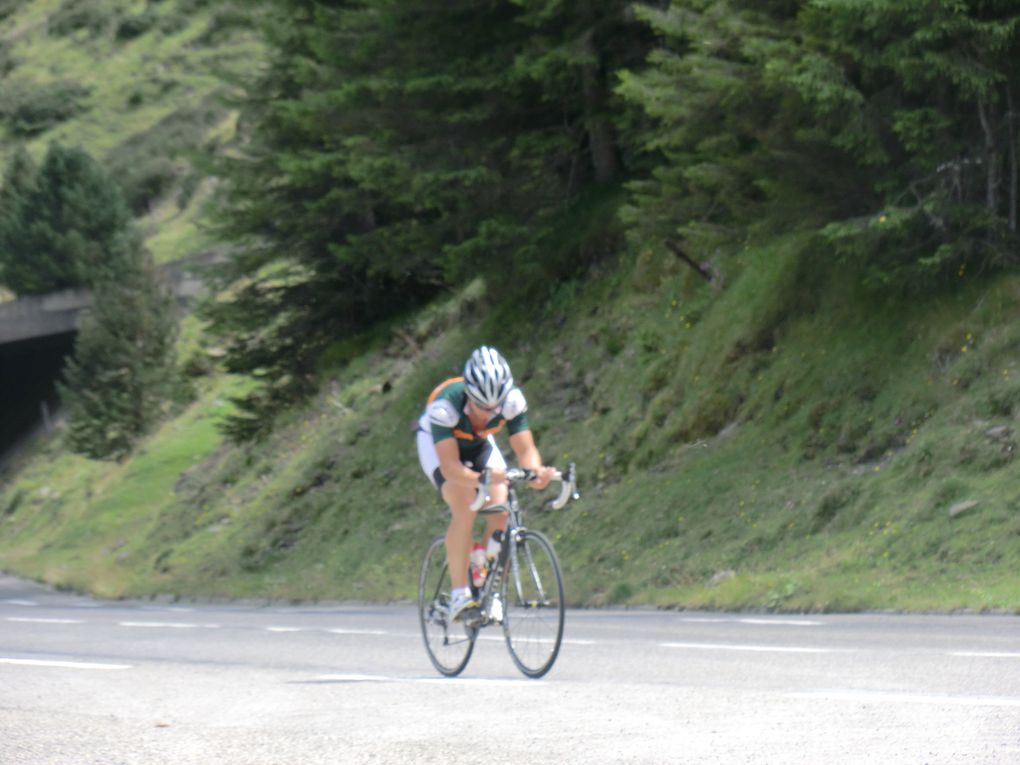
29,603
986,655
171,625
910,698
705,620
357,678
754,648
763,622
29,620
534,640
170,609
63,664
357,632
283,629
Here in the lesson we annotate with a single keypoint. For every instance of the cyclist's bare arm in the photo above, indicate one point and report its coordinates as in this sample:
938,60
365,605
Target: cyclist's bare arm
528,456
567,480
454,471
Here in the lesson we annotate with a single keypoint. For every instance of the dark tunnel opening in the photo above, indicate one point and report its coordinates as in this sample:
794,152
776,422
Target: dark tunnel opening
29,371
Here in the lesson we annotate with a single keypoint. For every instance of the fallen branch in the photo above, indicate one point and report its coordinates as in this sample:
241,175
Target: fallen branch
678,251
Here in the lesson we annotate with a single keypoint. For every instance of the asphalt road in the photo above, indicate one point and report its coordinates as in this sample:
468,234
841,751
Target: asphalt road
85,682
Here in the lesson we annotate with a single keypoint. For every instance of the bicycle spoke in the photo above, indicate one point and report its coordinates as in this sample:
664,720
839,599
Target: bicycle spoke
534,612
449,645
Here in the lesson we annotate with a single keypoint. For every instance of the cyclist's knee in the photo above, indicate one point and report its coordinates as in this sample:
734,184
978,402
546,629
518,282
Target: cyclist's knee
458,498
498,495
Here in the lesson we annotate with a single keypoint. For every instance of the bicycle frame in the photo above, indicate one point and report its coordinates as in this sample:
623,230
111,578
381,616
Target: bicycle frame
504,561
523,586
507,560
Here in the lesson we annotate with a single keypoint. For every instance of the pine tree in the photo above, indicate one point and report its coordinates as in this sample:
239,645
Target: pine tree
937,85
122,375
573,55
63,229
65,224
716,126
400,147
889,126
17,185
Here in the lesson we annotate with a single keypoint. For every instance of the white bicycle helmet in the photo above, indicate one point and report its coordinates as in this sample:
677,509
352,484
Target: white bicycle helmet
487,377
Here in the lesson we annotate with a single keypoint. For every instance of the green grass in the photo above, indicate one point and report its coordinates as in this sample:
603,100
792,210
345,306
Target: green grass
782,439
175,233
152,100
83,524
733,454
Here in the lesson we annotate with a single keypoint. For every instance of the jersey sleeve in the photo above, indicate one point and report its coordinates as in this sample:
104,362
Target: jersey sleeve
443,417
515,410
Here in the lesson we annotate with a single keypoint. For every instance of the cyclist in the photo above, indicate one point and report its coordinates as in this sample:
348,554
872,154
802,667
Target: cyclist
455,443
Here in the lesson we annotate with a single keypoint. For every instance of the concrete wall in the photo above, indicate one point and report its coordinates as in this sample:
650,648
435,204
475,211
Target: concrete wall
59,312
44,315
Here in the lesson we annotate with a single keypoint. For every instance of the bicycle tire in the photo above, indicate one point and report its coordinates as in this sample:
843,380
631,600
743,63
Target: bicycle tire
533,608
449,645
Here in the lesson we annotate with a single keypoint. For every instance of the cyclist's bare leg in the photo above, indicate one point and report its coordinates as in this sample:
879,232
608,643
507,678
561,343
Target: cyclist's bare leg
458,533
459,537
498,496
494,522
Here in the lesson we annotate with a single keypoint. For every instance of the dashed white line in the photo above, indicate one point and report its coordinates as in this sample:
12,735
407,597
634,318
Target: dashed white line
986,655
30,620
909,698
283,629
705,620
565,641
169,609
753,648
761,622
28,603
357,632
171,625
64,664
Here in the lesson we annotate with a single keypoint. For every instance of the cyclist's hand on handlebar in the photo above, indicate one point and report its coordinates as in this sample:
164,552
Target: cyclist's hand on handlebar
545,475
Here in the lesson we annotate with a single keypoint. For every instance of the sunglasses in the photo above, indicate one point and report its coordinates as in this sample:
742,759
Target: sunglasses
478,406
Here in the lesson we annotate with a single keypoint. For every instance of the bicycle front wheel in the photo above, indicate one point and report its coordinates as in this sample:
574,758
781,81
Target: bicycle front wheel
449,644
532,594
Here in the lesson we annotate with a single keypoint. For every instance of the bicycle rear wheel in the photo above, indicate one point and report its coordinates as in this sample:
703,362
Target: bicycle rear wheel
533,604
449,644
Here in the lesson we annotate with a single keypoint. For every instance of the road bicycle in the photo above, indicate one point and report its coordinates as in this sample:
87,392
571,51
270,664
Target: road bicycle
522,591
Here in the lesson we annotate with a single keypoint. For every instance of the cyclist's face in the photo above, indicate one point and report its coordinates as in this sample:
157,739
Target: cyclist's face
481,410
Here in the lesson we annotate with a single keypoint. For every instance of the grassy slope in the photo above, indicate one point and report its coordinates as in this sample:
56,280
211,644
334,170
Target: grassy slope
154,100
738,448
778,443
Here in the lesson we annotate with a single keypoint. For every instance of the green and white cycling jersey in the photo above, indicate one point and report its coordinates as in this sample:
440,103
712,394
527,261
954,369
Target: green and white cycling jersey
446,416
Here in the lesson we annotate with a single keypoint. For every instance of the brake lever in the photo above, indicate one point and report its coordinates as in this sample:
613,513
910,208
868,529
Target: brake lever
483,490
568,490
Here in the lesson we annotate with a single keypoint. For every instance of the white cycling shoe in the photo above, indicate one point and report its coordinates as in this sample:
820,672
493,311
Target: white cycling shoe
464,607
